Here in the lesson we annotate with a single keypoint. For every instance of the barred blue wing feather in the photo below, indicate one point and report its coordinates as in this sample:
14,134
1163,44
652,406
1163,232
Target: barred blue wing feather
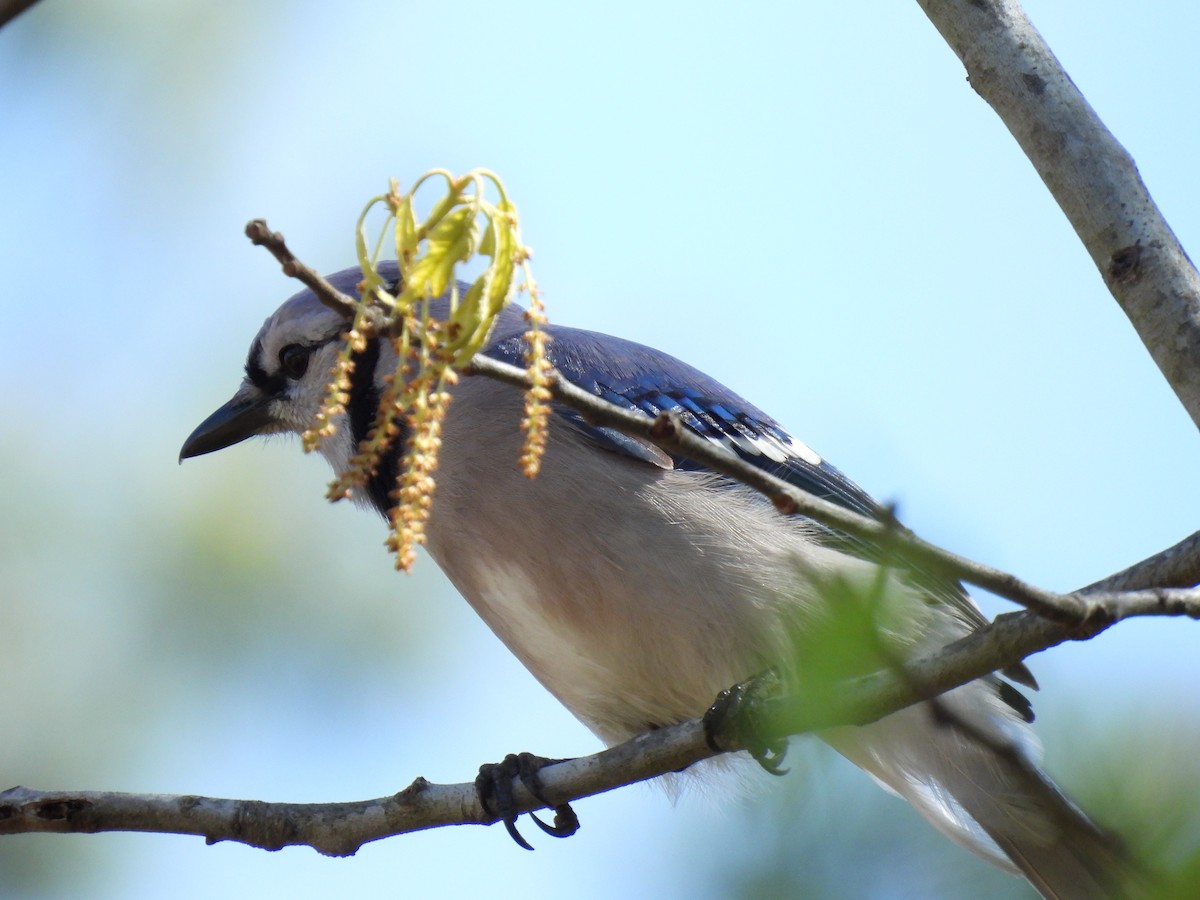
650,381
642,378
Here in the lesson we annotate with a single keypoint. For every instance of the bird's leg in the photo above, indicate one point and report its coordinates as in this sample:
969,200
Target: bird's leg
737,718
494,784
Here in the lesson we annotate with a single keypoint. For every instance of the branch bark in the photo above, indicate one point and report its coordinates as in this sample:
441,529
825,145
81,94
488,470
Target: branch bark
1177,566
339,829
262,236
666,432
10,9
1097,185
1091,176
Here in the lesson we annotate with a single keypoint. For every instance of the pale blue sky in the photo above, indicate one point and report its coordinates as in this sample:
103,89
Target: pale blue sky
807,201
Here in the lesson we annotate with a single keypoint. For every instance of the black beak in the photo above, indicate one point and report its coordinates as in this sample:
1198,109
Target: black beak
240,418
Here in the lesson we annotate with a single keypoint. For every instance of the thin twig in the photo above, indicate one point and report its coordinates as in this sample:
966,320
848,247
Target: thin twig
342,304
666,432
339,829
1171,568
1104,599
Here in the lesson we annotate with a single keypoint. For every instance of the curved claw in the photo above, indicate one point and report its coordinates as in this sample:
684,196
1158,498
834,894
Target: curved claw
510,825
494,786
770,755
735,717
566,823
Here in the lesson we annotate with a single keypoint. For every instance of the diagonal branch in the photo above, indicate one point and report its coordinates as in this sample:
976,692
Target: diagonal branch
1091,176
261,235
665,432
1177,566
10,9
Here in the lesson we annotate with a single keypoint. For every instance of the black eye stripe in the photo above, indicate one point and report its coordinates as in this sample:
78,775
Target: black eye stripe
291,364
256,374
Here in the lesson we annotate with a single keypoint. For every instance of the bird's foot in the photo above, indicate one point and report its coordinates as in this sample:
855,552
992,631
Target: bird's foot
494,784
736,721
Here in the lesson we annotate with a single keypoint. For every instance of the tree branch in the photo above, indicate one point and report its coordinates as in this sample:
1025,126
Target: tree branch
262,236
339,829
1097,185
10,9
1091,176
666,432
1177,566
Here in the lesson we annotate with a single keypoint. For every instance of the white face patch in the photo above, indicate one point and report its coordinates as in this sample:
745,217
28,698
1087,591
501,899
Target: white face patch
301,320
302,399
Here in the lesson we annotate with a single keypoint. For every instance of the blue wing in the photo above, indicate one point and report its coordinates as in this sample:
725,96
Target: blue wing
641,378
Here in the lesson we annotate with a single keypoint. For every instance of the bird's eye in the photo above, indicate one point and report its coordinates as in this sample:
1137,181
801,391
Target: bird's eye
293,360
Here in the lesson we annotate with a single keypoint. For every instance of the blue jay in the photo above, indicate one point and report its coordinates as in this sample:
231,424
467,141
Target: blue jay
636,586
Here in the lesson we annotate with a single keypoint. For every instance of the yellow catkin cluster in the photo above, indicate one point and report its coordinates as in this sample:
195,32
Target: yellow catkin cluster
414,491
391,412
338,393
415,398
536,422
423,396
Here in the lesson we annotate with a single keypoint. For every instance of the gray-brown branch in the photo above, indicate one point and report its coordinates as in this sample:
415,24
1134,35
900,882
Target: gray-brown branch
665,431
10,9
1097,185
1091,176
261,235
339,829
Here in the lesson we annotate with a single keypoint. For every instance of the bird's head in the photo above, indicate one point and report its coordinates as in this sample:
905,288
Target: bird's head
287,371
